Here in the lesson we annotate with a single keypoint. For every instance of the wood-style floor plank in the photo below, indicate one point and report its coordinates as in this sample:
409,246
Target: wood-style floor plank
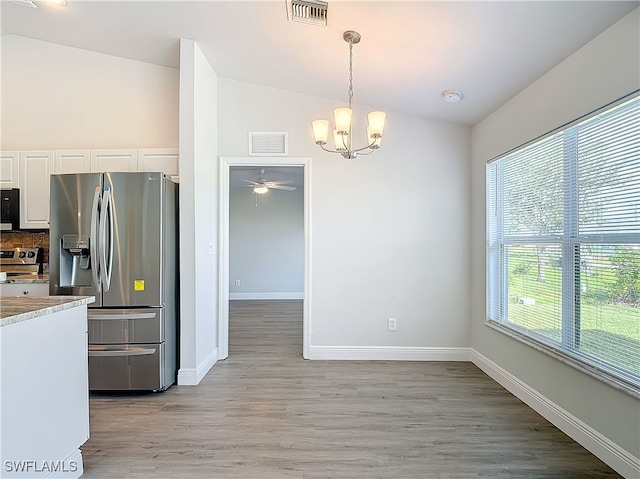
265,413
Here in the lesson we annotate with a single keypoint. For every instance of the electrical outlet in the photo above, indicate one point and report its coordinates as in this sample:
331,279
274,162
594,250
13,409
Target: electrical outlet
237,282
392,323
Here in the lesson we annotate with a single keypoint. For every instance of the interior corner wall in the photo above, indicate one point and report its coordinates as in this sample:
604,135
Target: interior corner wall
266,243
389,231
199,187
56,97
602,71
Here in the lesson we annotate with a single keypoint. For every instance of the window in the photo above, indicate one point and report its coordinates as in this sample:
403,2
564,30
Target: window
563,243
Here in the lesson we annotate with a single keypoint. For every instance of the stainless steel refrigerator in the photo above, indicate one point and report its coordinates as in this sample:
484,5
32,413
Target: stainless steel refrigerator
114,236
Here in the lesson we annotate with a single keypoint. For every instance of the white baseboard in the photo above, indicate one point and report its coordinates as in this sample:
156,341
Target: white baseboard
606,450
388,353
193,376
233,296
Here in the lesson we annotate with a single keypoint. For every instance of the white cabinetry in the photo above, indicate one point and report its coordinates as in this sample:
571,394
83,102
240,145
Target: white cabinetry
159,159
24,289
45,394
35,169
103,161
30,171
72,161
109,161
9,169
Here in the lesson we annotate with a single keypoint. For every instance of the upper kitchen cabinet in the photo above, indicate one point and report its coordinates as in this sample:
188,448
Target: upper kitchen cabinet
35,169
9,169
159,159
72,161
110,161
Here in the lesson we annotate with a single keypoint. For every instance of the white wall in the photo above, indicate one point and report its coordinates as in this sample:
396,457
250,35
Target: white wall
389,232
58,97
266,244
603,70
199,187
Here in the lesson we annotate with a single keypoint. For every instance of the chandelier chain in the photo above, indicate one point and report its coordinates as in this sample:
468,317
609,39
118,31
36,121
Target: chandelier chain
350,72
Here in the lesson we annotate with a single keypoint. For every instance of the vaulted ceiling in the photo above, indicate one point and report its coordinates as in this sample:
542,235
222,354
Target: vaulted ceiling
409,54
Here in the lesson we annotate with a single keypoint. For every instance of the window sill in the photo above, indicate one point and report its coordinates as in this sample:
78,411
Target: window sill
566,359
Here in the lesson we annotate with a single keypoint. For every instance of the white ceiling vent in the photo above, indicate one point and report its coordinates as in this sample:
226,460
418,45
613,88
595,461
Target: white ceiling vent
313,12
24,3
268,143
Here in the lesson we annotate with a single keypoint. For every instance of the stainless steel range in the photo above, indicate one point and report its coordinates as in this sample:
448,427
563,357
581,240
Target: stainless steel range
21,261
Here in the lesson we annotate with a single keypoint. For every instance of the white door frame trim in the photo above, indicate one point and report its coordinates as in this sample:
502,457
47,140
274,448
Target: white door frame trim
223,251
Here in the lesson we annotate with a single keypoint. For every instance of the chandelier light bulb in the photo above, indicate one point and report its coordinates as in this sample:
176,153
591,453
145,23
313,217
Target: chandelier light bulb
342,117
339,141
320,131
374,141
376,123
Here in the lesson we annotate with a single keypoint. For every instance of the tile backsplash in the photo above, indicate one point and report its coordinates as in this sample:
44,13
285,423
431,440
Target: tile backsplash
26,239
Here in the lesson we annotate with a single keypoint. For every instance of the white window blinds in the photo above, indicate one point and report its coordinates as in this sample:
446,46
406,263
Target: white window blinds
563,242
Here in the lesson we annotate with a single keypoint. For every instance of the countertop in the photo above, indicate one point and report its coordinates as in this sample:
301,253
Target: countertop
27,278
14,309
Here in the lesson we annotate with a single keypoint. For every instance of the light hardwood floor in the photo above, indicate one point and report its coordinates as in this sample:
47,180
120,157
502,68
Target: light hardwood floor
265,413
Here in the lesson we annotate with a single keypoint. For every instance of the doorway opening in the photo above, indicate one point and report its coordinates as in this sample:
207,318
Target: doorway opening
259,163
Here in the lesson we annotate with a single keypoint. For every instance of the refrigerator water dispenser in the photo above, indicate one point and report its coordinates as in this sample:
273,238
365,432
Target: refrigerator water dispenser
75,261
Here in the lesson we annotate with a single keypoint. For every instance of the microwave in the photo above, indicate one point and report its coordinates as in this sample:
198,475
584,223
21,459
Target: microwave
10,209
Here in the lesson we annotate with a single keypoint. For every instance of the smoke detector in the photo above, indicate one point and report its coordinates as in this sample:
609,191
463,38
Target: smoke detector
313,12
452,96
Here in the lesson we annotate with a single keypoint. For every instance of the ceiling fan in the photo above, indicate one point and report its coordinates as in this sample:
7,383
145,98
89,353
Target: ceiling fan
261,185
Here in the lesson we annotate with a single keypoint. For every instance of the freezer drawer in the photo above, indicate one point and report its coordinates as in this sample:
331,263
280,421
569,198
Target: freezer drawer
121,367
126,326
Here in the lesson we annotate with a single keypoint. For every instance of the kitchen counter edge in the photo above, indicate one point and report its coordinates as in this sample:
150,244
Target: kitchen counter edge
15,309
26,278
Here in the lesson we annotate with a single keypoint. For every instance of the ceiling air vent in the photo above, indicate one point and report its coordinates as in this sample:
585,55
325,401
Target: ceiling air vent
268,143
24,3
313,12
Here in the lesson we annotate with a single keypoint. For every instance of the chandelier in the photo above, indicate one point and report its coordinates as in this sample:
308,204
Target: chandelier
342,136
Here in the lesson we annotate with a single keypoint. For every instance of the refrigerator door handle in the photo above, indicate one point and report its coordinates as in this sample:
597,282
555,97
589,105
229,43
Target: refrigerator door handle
122,352
106,239
93,240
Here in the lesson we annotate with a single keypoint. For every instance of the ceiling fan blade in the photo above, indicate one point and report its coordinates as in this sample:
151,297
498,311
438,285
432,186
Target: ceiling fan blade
280,187
279,182
252,182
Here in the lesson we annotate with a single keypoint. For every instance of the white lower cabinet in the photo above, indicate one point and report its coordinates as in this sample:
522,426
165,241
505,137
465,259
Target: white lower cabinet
35,169
45,395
